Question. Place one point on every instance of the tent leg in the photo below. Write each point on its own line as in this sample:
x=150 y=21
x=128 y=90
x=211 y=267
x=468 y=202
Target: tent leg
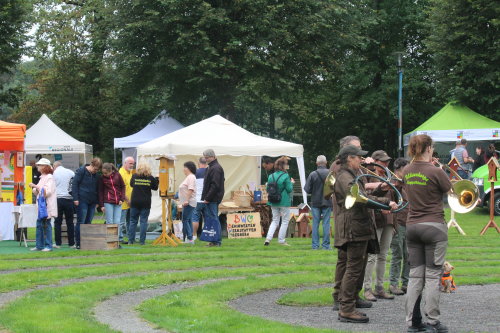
x=302 y=175
x=114 y=154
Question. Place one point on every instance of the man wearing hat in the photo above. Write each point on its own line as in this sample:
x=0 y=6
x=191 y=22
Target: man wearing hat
x=321 y=208
x=354 y=230
x=384 y=223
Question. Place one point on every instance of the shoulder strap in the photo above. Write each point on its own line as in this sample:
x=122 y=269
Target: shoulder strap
x=319 y=175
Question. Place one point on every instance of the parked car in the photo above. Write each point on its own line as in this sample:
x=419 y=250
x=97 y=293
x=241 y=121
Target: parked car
x=480 y=178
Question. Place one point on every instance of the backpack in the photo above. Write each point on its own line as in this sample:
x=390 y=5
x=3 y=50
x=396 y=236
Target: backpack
x=273 y=192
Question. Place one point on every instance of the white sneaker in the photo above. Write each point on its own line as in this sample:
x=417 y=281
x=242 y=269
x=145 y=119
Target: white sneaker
x=284 y=244
x=46 y=250
x=56 y=246
x=34 y=249
x=194 y=238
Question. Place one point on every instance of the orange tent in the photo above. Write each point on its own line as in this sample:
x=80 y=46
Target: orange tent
x=12 y=136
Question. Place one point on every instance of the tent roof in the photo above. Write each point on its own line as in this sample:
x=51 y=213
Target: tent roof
x=161 y=125
x=456 y=121
x=221 y=135
x=456 y=116
x=45 y=137
x=12 y=136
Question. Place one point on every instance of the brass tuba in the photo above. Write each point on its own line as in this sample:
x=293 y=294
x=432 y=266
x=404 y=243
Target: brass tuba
x=464 y=194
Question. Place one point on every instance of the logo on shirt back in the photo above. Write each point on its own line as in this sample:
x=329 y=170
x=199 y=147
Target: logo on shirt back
x=416 y=179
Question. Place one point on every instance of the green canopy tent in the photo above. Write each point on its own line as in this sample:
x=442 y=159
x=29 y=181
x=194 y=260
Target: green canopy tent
x=456 y=121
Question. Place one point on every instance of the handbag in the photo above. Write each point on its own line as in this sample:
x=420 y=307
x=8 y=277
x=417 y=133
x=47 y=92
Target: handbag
x=211 y=231
x=42 y=206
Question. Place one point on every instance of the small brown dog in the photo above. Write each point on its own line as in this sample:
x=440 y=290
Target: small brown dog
x=447 y=282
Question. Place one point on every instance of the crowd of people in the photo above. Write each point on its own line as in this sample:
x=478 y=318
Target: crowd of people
x=416 y=235
x=363 y=235
x=467 y=164
x=123 y=196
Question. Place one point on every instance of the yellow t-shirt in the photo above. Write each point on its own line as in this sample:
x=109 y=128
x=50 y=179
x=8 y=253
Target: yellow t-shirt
x=127 y=176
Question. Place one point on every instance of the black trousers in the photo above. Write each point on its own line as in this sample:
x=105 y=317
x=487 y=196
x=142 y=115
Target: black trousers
x=349 y=274
x=66 y=207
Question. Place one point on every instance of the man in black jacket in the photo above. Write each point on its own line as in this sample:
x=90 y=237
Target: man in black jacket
x=213 y=189
x=321 y=208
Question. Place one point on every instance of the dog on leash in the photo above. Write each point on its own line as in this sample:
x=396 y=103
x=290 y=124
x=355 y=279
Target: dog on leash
x=447 y=282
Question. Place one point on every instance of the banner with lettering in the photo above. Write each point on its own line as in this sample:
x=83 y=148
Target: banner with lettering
x=244 y=225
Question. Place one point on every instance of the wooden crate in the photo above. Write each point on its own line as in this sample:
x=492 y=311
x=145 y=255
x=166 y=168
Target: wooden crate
x=99 y=236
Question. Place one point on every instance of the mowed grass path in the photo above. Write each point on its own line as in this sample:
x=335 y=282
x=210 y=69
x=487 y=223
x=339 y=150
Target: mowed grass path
x=68 y=308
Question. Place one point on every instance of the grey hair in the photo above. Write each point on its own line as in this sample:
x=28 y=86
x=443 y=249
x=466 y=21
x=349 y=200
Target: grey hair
x=57 y=164
x=209 y=153
x=202 y=160
x=348 y=139
x=128 y=158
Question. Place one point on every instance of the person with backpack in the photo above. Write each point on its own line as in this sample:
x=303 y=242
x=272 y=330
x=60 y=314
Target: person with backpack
x=321 y=208
x=279 y=188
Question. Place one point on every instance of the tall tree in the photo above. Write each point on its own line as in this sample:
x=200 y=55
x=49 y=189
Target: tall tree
x=12 y=27
x=464 y=41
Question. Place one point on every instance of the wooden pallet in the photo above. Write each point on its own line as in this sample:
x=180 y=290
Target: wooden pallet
x=99 y=236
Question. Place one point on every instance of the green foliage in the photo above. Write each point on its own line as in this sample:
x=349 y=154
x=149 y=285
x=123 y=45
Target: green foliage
x=307 y=71
x=12 y=26
x=466 y=53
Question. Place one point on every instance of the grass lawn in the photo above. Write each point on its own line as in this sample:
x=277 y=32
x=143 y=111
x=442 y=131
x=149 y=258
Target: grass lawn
x=476 y=260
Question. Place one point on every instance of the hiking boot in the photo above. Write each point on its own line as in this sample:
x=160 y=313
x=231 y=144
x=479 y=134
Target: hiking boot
x=380 y=293
x=438 y=328
x=362 y=304
x=395 y=290
x=353 y=317
x=421 y=328
x=369 y=295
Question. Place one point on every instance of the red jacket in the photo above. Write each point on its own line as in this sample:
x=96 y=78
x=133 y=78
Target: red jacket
x=111 y=189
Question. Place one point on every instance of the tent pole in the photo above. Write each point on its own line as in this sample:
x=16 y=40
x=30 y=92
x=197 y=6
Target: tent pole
x=400 y=105
x=114 y=154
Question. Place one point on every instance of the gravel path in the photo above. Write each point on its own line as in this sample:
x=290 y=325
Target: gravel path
x=471 y=309
x=128 y=321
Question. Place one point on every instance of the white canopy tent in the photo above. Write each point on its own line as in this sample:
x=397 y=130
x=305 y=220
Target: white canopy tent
x=46 y=138
x=161 y=125
x=238 y=151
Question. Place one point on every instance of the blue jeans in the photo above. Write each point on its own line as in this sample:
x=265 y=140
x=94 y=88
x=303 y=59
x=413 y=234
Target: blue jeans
x=135 y=215
x=112 y=213
x=124 y=223
x=318 y=213
x=43 y=234
x=212 y=211
x=84 y=215
x=187 y=222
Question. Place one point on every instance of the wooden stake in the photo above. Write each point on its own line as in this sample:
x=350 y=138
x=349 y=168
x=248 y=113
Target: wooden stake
x=493 y=166
x=454 y=223
x=491 y=223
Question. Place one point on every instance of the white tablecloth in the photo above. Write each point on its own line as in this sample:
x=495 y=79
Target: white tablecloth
x=28 y=216
x=6 y=221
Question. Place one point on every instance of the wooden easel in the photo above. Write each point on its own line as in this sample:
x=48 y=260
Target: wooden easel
x=166 y=188
x=493 y=166
x=167 y=238
x=454 y=165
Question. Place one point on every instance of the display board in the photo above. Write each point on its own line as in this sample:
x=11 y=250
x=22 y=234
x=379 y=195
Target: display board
x=244 y=225
x=7 y=160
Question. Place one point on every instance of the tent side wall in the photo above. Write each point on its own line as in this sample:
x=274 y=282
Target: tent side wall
x=238 y=171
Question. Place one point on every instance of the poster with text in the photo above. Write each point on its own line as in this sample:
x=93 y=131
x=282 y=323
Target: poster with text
x=244 y=225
